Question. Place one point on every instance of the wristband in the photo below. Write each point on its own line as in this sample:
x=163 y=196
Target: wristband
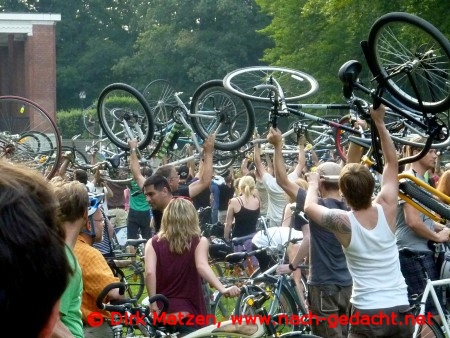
x=291 y=267
x=133 y=149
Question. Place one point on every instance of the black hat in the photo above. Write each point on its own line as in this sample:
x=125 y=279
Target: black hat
x=183 y=171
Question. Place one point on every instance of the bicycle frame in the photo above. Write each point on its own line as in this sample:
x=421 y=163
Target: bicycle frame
x=428 y=188
x=429 y=289
x=179 y=114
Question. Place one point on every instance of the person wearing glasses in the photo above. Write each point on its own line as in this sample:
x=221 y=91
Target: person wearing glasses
x=96 y=272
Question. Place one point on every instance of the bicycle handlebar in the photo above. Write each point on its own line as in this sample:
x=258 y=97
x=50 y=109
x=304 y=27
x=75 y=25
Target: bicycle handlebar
x=105 y=291
x=122 y=304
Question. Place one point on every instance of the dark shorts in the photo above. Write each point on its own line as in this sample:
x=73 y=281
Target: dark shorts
x=326 y=300
x=138 y=221
x=383 y=325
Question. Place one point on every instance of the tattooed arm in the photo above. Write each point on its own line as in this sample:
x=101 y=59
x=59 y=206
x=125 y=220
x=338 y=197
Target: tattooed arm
x=335 y=220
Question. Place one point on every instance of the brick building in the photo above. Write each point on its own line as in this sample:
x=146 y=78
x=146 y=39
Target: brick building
x=28 y=57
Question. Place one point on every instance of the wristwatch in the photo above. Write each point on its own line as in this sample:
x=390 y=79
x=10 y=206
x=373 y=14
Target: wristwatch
x=291 y=267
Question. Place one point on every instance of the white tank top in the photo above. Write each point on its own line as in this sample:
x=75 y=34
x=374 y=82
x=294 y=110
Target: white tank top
x=372 y=259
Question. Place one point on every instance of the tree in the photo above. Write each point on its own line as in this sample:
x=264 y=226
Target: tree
x=318 y=36
x=189 y=42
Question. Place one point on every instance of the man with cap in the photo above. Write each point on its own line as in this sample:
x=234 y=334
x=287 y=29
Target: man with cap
x=185 y=175
x=329 y=281
x=367 y=236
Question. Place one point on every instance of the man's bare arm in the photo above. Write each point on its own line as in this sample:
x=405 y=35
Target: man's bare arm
x=134 y=163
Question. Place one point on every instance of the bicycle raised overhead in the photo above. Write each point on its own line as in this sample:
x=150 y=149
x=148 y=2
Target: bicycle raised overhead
x=409 y=59
x=124 y=113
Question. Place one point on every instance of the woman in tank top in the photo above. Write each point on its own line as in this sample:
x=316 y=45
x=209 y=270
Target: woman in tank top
x=243 y=212
x=176 y=260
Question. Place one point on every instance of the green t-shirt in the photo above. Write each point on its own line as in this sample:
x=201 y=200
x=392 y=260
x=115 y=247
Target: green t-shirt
x=138 y=202
x=70 y=307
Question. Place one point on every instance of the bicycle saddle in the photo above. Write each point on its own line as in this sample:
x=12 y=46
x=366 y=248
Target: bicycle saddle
x=136 y=242
x=348 y=74
x=115 y=159
x=236 y=257
x=241 y=240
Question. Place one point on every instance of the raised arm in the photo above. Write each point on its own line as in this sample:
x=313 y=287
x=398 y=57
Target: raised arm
x=257 y=160
x=134 y=163
x=387 y=196
x=274 y=137
x=335 y=220
x=206 y=169
x=301 y=161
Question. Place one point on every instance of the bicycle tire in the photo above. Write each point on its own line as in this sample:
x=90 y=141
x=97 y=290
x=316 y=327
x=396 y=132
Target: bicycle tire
x=230 y=116
x=432 y=330
x=90 y=121
x=80 y=158
x=341 y=138
x=397 y=39
x=285 y=303
x=160 y=97
x=21 y=118
x=124 y=114
x=134 y=280
x=425 y=198
x=223 y=307
x=243 y=81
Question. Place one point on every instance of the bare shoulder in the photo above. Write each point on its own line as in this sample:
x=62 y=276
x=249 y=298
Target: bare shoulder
x=336 y=220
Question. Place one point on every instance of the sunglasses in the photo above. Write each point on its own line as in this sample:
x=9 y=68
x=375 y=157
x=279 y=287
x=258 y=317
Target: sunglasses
x=182 y=198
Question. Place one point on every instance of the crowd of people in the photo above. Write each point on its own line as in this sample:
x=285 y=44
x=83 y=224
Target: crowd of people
x=361 y=247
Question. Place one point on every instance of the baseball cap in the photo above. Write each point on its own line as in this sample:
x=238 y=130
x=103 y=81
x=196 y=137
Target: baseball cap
x=183 y=171
x=329 y=169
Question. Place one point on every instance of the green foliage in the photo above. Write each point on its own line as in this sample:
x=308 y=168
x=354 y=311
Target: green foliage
x=318 y=36
x=70 y=123
x=190 y=42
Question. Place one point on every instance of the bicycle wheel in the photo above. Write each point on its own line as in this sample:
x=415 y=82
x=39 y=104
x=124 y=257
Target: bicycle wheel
x=124 y=114
x=403 y=47
x=424 y=198
x=341 y=138
x=216 y=110
x=28 y=135
x=430 y=330
x=296 y=85
x=91 y=122
x=160 y=97
x=133 y=277
x=79 y=159
x=223 y=307
x=280 y=302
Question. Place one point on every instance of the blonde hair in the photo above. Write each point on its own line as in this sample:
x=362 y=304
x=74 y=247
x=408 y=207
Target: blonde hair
x=179 y=225
x=73 y=200
x=247 y=185
x=444 y=183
